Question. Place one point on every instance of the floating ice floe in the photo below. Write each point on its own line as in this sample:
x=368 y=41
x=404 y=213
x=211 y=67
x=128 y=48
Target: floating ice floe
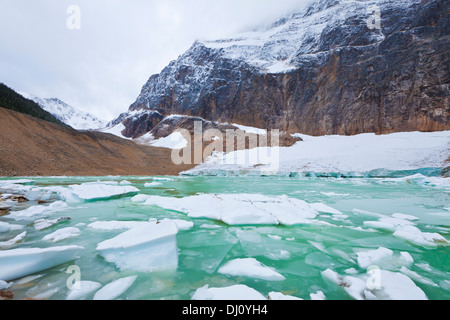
x=115 y=289
x=114 y=225
x=384 y=258
x=236 y=292
x=4 y=285
x=251 y=268
x=182 y=225
x=4 y=227
x=414 y=235
x=38 y=211
x=42 y=224
x=146 y=248
x=17 y=263
x=238 y=209
x=417 y=277
x=388 y=286
x=319 y=295
x=12 y=242
x=126 y=225
x=62 y=234
x=152 y=184
x=280 y=296
x=81 y=289
x=97 y=191
x=388 y=223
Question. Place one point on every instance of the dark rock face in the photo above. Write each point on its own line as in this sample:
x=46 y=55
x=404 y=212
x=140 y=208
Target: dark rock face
x=141 y=123
x=347 y=79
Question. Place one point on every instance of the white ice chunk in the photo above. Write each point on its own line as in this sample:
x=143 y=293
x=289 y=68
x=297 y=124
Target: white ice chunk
x=332 y=276
x=280 y=296
x=93 y=191
x=388 y=286
x=405 y=216
x=324 y=208
x=397 y=286
x=114 y=225
x=238 y=209
x=417 y=277
x=115 y=289
x=319 y=295
x=384 y=258
x=388 y=223
x=12 y=242
x=4 y=285
x=146 y=248
x=42 y=224
x=182 y=225
x=62 y=234
x=17 y=263
x=38 y=211
x=140 y=198
x=416 y=236
x=251 y=268
x=82 y=289
x=354 y=286
x=152 y=184
x=4 y=227
x=236 y=292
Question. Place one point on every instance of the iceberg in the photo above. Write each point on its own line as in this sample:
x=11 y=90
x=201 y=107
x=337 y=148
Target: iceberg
x=114 y=225
x=414 y=235
x=146 y=248
x=319 y=295
x=384 y=258
x=392 y=286
x=115 y=289
x=42 y=224
x=38 y=211
x=99 y=190
x=236 y=292
x=4 y=227
x=251 y=268
x=82 y=289
x=62 y=234
x=280 y=296
x=17 y=263
x=12 y=242
x=152 y=184
x=238 y=209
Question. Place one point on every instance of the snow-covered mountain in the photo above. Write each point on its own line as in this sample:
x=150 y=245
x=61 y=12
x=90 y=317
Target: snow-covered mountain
x=71 y=116
x=335 y=67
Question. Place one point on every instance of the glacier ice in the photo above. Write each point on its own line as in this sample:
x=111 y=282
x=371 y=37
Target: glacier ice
x=236 y=292
x=17 y=263
x=62 y=234
x=280 y=296
x=115 y=289
x=146 y=248
x=12 y=242
x=384 y=258
x=252 y=268
x=81 y=289
x=238 y=209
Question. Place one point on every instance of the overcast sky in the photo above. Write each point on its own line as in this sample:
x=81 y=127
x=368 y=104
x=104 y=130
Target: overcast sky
x=101 y=67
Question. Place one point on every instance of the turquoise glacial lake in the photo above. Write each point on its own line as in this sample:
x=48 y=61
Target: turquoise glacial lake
x=300 y=253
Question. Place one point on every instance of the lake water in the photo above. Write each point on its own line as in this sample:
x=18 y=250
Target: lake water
x=298 y=252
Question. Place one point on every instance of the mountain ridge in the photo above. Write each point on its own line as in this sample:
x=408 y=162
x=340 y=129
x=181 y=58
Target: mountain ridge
x=323 y=71
x=67 y=114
